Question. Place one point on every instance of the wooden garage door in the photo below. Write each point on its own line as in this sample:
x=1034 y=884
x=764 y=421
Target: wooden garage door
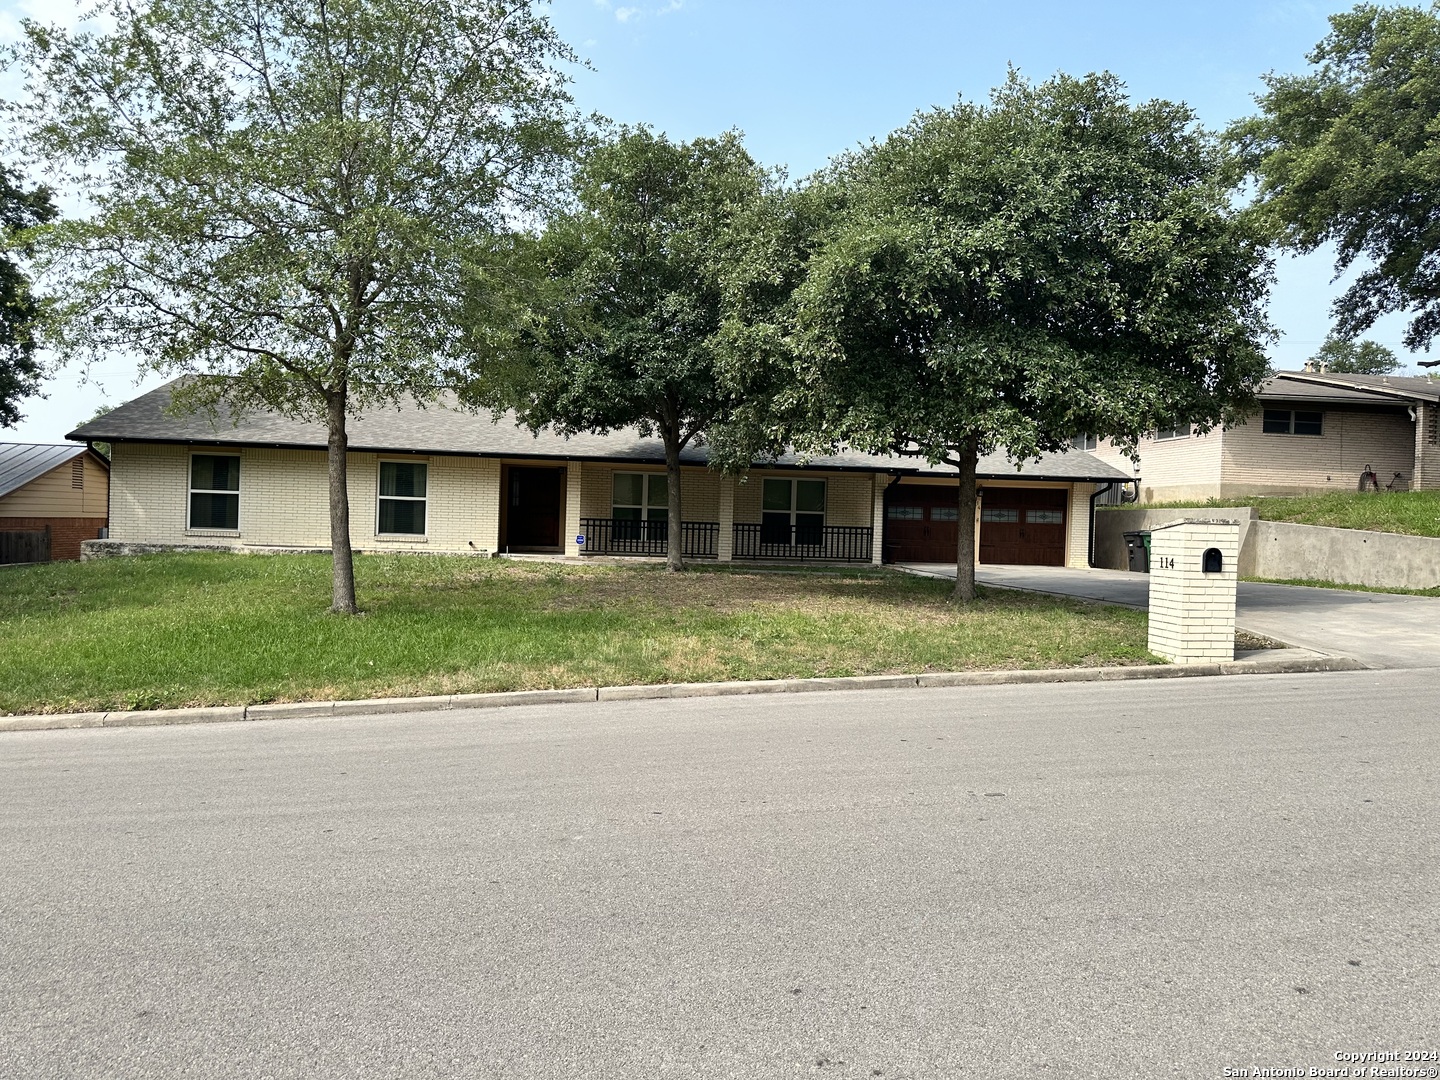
x=921 y=523
x=1023 y=526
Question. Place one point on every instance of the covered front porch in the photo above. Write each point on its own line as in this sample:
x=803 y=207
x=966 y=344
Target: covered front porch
x=774 y=515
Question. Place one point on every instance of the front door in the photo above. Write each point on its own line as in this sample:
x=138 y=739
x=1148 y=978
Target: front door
x=922 y=523
x=534 y=508
x=1023 y=526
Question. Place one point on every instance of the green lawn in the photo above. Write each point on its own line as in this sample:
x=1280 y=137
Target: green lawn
x=1416 y=513
x=162 y=631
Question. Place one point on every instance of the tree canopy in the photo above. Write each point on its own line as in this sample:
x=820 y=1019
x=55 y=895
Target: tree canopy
x=644 y=324
x=20 y=367
x=1006 y=275
x=1349 y=153
x=298 y=203
x=1355 y=358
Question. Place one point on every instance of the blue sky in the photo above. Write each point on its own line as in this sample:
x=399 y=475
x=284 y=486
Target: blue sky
x=806 y=80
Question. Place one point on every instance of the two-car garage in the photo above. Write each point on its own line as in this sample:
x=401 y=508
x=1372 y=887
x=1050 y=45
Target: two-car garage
x=1024 y=526
x=1035 y=513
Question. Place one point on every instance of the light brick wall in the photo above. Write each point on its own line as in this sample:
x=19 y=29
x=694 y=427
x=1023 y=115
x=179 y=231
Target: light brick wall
x=1192 y=614
x=699 y=490
x=284 y=499
x=1254 y=463
x=1077 y=526
x=849 y=497
x=1172 y=469
x=148 y=491
x=1427 y=448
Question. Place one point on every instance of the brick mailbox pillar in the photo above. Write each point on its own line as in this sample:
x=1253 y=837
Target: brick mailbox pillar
x=1192 y=591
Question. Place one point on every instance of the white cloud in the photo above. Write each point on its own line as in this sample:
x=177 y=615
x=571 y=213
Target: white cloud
x=673 y=5
x=625 y=14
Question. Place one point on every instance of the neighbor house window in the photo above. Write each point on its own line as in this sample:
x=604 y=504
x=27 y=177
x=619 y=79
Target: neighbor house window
x=792 y=512
x=215 y=492
x=1084 y=442
x=1180 y=431
x=402 y=498
x=1289 y=422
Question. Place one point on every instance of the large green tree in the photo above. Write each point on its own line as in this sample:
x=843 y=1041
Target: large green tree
x=1004 y=275
x=1348 y=153
x=1355 y=357
x=297 y=201
x=649 y=275
x=20 y=367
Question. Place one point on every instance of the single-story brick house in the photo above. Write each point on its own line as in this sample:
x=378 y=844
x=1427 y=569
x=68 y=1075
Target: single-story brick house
x=51 y=499
x=1314 y=432
x=440 y=479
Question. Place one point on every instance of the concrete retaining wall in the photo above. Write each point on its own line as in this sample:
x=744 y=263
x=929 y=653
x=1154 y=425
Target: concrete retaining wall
x=1278 y=549
x=1352 y=556
x=1112 y=525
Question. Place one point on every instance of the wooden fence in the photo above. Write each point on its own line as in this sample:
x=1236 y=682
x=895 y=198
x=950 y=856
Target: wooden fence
x=25 y=546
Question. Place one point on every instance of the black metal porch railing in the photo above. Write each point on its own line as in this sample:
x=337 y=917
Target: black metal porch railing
x=624 y=536
x=831 y=543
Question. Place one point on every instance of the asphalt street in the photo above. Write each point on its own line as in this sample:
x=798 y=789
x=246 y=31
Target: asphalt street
x=1133 y=879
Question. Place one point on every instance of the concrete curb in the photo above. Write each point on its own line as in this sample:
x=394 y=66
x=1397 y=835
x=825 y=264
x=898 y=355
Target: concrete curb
x=1277 y=665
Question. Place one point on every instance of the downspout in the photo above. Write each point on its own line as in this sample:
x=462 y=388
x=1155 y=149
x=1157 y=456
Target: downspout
x=1109 y=486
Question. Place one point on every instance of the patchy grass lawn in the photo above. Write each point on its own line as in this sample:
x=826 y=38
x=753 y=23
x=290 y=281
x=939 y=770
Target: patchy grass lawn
x=173 y=630
x=1415 y=513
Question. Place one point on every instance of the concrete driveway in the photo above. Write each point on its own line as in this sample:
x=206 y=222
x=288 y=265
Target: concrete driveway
x=1383 y=630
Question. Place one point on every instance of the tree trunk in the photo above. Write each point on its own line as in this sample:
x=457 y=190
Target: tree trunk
x=674 y=557
x=965 y=548
x=342 y=591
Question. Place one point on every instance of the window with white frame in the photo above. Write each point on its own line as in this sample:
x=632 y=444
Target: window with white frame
x=215 y=492
x=402 y=498
x=639 y=497
x=1179 y=431
x=1084 y=442
x=792 y=511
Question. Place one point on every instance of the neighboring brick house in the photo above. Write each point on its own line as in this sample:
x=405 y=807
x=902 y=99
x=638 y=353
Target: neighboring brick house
x=60 y=490
x=1314 y=432
x=441 y=479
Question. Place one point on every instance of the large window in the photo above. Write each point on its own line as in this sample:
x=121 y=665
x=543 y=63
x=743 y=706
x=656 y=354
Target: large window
x=1179 y=431
x=215 y=492
x=402 y=498
x=639 y=497
x=1084 y=442
x=792 y=512
x=1289 y=422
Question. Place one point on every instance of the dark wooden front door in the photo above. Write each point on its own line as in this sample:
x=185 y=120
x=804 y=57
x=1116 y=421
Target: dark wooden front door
x=922 y=523
x=534 y=508
x=1023 y=525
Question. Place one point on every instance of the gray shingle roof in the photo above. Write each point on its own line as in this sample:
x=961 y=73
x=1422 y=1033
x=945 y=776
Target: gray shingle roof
x=22 y=462
x=444 y=429
x=1305 y=386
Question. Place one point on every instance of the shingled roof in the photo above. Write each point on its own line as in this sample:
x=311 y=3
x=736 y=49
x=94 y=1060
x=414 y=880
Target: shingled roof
x=22 y=462
x=443 y=428
x=1345 y=389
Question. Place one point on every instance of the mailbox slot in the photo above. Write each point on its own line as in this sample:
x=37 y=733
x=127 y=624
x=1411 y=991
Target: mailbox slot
x=1210 y=562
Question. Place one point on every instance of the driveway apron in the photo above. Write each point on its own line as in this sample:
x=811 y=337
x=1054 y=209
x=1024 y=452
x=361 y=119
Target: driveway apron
x=1383 y=630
